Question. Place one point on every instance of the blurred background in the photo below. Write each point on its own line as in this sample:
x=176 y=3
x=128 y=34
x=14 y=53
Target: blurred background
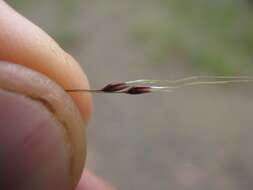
x=193 y=139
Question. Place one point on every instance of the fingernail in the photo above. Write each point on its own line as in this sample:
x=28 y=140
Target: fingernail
x=33 y=153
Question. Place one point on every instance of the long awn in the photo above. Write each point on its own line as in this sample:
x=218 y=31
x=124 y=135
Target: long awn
x=143 y=86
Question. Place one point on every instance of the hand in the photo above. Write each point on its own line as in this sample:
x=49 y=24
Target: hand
x=42 y=142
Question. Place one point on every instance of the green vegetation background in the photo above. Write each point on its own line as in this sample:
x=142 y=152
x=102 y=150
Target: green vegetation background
x=214 y=35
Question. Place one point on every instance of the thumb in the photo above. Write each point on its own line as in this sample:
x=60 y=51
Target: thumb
x=55 y=157
x=41 y=132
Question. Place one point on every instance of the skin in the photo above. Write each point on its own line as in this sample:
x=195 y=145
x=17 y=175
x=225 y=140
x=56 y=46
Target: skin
x=24 y=43
x=42 y=139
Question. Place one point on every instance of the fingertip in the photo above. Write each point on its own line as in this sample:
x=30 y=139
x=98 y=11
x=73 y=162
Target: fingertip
x=33 y=152
x=24 y=43
x=90 y=181
x=52 y=123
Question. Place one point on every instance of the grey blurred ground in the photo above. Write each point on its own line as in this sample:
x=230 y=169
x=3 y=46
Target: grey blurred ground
x=192 y=139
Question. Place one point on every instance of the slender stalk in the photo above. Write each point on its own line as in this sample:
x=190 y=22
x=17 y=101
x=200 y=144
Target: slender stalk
x=146 y=86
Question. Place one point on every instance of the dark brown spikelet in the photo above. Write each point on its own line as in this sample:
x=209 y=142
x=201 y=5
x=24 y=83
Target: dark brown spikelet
x=114 y=87
x=136 y=90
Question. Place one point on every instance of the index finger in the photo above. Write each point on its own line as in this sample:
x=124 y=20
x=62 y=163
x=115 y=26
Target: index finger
x=24 y=43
